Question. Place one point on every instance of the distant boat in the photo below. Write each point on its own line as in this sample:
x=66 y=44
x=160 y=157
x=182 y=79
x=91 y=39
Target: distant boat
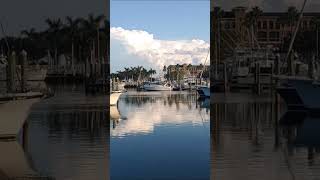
x=114 y=97
x=157 y=86
x=204 y=91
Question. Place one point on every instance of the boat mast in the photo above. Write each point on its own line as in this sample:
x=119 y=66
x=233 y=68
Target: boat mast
x=296 y=30
x=204 y=66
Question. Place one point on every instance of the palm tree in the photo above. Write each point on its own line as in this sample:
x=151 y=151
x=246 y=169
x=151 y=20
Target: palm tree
x=292 y=17
x=55 y=26
x=92 y=25
x=29 y=38
x=152 y=72
x=251 y=21
x=72 y=28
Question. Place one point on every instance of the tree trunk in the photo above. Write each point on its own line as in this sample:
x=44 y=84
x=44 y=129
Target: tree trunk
x=98 y=44
x=56 y=55
x=72 y=58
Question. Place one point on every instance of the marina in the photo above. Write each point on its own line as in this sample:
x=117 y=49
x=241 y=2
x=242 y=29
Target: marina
x=159 y=127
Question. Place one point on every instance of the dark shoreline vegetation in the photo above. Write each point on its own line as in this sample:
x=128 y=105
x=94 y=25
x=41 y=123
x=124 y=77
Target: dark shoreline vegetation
x=134 y=73
x=172 y=72
x=80 y=38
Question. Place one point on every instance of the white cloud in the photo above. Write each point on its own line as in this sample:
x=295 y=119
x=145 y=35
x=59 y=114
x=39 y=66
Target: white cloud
x=161 y=52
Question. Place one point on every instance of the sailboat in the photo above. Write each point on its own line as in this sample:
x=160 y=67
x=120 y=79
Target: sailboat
x=204 y=90
x=301 y=92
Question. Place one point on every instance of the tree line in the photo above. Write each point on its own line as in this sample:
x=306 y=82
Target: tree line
x=77 y=38
x=134 y=73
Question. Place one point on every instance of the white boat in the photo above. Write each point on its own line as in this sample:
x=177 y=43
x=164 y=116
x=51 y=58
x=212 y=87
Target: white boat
x=114 y=97
x=15 y=112
x=204 y=91
x=157 y=86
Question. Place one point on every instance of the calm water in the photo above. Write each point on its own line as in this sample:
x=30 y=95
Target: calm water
x=69 y=135
x=160 y=135
x=259 y=140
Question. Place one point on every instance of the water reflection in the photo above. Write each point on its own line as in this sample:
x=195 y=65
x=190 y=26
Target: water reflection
x=69 y=135
x=145 y=112
x=262 y=141
x=165 y=135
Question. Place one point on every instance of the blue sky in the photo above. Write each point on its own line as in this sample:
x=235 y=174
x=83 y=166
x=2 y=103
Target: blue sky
x=174 y=21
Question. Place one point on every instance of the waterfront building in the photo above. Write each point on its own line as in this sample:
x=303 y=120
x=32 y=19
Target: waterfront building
x=187 y=70
x=270 y=28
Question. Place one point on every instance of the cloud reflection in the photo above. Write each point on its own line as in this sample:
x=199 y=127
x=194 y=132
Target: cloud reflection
x=145 y=113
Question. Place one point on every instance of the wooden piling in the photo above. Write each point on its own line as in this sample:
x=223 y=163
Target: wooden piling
x=23 y=70
x=11 y=72
x=311 y=68
x=258 y=79
x=225 y=76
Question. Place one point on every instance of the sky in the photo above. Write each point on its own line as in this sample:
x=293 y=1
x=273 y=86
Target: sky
x=18 y=15
x=154 y=33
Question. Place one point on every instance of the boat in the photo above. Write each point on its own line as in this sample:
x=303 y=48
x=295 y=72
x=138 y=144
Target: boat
x=290 y=95
x=16 y=163
x=157 y=86
x=114 y=97
x=309 y=92
x=204 y=91
x=14 y=110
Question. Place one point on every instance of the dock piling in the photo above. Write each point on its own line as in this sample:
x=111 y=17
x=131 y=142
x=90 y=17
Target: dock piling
x=23 y=70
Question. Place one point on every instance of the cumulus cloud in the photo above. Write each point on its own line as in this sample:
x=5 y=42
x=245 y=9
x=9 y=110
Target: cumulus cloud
x=161 y=52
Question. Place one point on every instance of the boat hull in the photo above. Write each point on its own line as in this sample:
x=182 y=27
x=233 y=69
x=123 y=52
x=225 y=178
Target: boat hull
x=204 y=91
x=114 y=97
x=308 y=92
x=290 y=97
x=156 y=88
x=13 y=115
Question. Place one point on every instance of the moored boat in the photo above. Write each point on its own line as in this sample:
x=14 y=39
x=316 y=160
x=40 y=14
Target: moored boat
x=203 y=91
x=309 y=92
x=14 y=109
x=114 y=97
x=157 y=86
x=290 y=96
